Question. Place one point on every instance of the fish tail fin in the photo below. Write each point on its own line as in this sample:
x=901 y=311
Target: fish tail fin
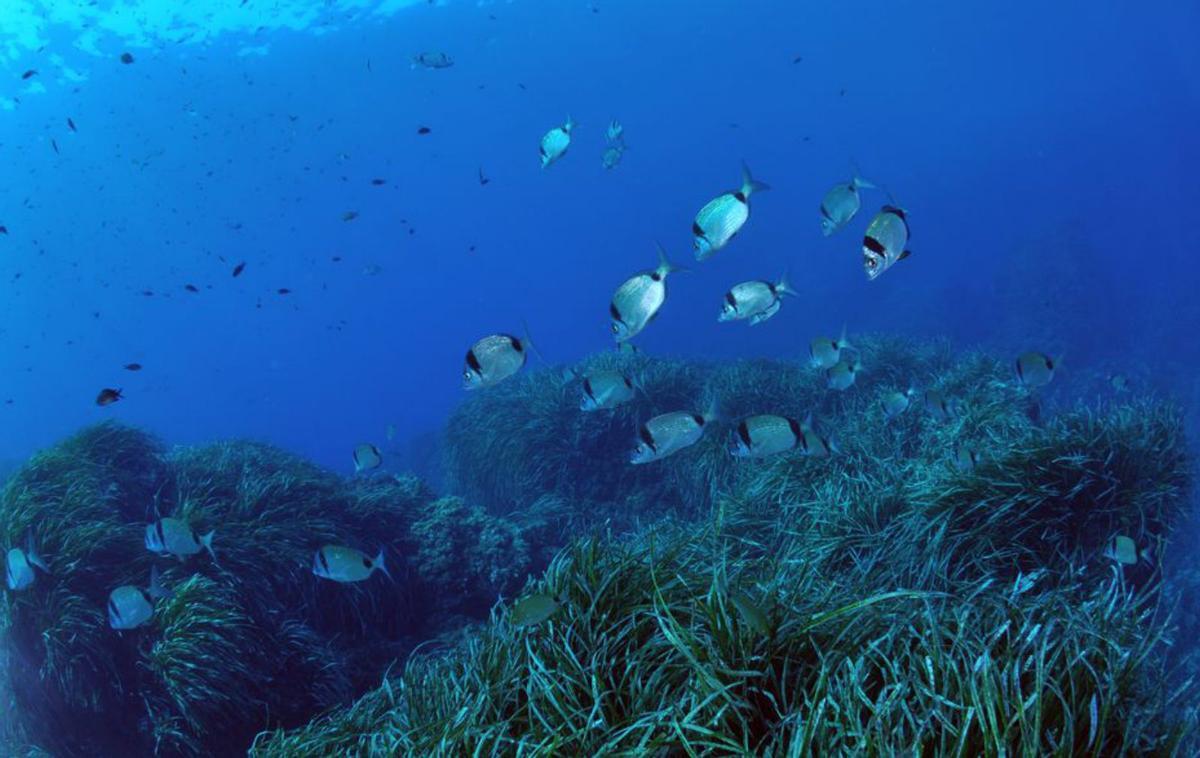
x=784 y=287
x=664 y=263
x=904 y=255
x=529 y=343
x=156 y=590
x=569 y=124
x=832 y=443
x=713 y=412
x=750 y=185
x=31 y=554
x=378 y=563
x=206 y=543
x=861 y=183
x=844 y=343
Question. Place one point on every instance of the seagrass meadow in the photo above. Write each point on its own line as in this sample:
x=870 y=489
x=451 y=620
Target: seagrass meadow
x=881 y=601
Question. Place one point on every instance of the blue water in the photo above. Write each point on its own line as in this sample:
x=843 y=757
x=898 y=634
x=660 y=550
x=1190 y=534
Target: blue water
x=1046 y=154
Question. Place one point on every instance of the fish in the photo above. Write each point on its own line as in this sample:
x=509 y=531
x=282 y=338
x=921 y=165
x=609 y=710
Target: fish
x=841 y=203
x=755 y=300
x=127 y=58
x=191 y=288
x=825 y=353
x=896 y=402
x=555 y=142
x=132 y=367
x=604 y=390
x=19 y=568
x=1035 y=369
x=841 y=376
x=667 y=434
x=816 y=445
x=345 y=564
x=349 y=215
x=378 y=182
x=238 y=269
x=1124 y=550
x=939 y=407
x=108 y=396
x=29 y=74
x=765 y=435
x=534 y=609
x=885 y=240
x=71 y=124
x=4 y=230
x=639 y=298
x=366 y=457
x=432 y=60
x=54 y=144
x=130 y=607
x=423 y=130
x=615 y=131
x=966 y=457
x=752 y=615
x=173 y=536
x=612 y=156
x=1119 y=382
x=483 y=180
x=724 y=216
x=493 y=359
x=284 y=291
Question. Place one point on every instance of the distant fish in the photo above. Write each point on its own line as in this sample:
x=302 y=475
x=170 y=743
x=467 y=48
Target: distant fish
x=345 y=564
x=108 y=397
x=423 y=130
x=71 y=124
x=127 y=58
x=766 y=435
x=173 y=536
x=604 y=390
x=885 y=241
x=18 y=570
x=723 y=216
x=555 y=142
x=29 y=74
x=896 y=402
x=966 y=457
x=939 y=406
x=130 y=607
x=754 y=300
x=615 y=131
x=54 y=144
x=817 y=445
x=841 y=203
x=1124 y=550
x=132 y=367
x=841 y=377
x=432 y=60
x=493 y=359
x=390 y=433
x=349 y=215
x=238 y=269
x=378 y=182
x=667 y=434
x=612 y=156
x=191 y=288
x=534 y=609
x=284 y=291
x=1119 y=382
x=639 y=298
x=366 y=458
x=483 y=180
x=1035 y=369
x=4 y=230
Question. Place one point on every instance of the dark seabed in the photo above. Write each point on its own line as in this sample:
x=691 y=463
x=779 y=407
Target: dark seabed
x=350 y=409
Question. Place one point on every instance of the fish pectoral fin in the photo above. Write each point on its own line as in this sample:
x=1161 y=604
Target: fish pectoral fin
x=904 y=255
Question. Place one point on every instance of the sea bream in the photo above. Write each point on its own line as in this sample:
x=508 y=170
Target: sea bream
x=755 y=300
x=669 y=433
x=885 y=240
x=1035 y=369
x=172 y=536
x=637 y=301
x=603 y=390
x=19 y=566
x=841 y=203
x=493 y=359
x=555 y=142
x=432 y=60
x=825 y=353
x=130 y=607
x=723 y=216
x=345 y=564
x=367 y=457
x=766 y=435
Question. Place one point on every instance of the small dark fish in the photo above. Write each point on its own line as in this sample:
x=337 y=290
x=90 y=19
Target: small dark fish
x=423 y=130
x=127 y=58
x=379 y=182
x=797 y=59
x=238 y=269
x=284 y=291
x=133 y=367
x=108 y=397
x=54 y=144
x=349 y=215
x=190 y=288
x=148 y=293
x=4 y=230
x=483 y=180
x=29 y=74
x=71 y=124
x=336 y=259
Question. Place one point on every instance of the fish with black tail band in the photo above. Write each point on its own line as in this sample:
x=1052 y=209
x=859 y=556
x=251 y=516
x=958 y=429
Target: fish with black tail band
x=885 y=241
x=724 y=216
x=367 y=457
x=345 y=564
x=19 y=566
x=639 y=298
x=966 y=457
x=604 y=390
x=765 y=435
x=825 y=353
x=555 y=142
x=939 y=406
x=841 y=203
x=896 y=402
x=1035 y=369
x=667 y=434
x=130 y=607
x=754 y=300
x=493 y=359
x=815 y=444
x=842 y=376
x=172 y=536
x=536 y=608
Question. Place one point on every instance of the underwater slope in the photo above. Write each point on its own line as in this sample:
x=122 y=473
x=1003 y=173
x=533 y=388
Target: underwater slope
x=883 y=600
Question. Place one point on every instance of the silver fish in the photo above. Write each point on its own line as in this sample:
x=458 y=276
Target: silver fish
x=841 y=376
x=723 y=216
x=966 y=457
x=615 y=131
x=895 y=403
x=754 y=300
x=841 y=203
x=432 y=60
x=603 y=390
x=939 y=406
x=555 y=142
x=667 y=434
x=493 y=359
x=345 y=564
x=367 y=457
x=130 y=607
x=172 y=536
x=816 y=445
x=765 y=435
x=825 y=353
x=18 y=569
x=885 y=241
x=638 y=299
x=1035 y=369
x=612 y=156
